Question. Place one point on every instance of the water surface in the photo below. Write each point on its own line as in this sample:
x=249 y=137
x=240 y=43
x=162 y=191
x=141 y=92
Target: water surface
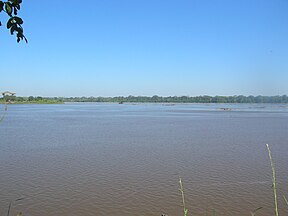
x=110 y=159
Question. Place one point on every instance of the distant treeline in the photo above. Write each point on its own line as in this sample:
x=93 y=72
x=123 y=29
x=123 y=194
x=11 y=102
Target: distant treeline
x=154 y=99
x=30 y=99
x=183 y=99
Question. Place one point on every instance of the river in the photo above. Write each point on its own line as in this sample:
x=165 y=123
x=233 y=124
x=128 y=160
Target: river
x=101 y=159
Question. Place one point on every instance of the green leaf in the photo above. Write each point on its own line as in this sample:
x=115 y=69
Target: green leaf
x=10 y=22
x=18 y=20
x=13 y=29
x=20 y=30
x=16 y=1
x=1 y=5
x=13 y=2
x=15 y=11
x=8 y=8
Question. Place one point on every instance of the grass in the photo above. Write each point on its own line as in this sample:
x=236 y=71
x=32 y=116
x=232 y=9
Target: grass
x=254 y=211
x=285 y=200
x=273 y=181
x=183 y=197
x=9 y=207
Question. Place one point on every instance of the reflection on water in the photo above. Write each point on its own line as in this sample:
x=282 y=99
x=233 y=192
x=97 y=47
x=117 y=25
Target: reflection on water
x=111 y=159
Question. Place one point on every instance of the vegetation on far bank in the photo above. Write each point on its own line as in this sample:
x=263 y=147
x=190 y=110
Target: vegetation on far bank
x=146 y=99
x=183 y=99
x=29 y=100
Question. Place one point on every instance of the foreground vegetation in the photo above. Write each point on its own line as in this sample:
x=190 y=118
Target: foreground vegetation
x=253 y=213
x=153 y=99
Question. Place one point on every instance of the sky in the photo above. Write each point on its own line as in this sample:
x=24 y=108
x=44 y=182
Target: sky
x=147 y=47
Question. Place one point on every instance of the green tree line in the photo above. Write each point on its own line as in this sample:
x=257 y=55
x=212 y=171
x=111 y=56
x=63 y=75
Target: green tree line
x=183 y=99
x=30 y=99
x=153 y=99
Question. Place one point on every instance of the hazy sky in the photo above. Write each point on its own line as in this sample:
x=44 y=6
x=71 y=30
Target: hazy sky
x=148 y=47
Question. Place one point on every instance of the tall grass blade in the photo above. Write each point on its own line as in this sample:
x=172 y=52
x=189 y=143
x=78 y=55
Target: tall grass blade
x=273 y=181
x=254 y=212
x=285 y=200
x=8 y=212
x=183 y=198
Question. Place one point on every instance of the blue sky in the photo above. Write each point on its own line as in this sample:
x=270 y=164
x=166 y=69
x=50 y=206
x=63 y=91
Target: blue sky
x=148 y=47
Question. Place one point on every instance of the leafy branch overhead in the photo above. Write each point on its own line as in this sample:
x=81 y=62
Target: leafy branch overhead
x=14 y=24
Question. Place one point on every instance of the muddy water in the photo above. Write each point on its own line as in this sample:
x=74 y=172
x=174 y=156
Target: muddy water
x=111 y=159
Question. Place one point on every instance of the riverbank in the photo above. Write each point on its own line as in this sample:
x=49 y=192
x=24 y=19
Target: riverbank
x=154 y=99
x=33 y=102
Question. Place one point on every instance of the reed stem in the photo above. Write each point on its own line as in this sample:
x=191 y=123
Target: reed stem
x=273 y=181
x=285 y=200
x=183 y=198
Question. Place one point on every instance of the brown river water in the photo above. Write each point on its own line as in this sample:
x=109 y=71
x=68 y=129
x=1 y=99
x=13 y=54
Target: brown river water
x=83 y=159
